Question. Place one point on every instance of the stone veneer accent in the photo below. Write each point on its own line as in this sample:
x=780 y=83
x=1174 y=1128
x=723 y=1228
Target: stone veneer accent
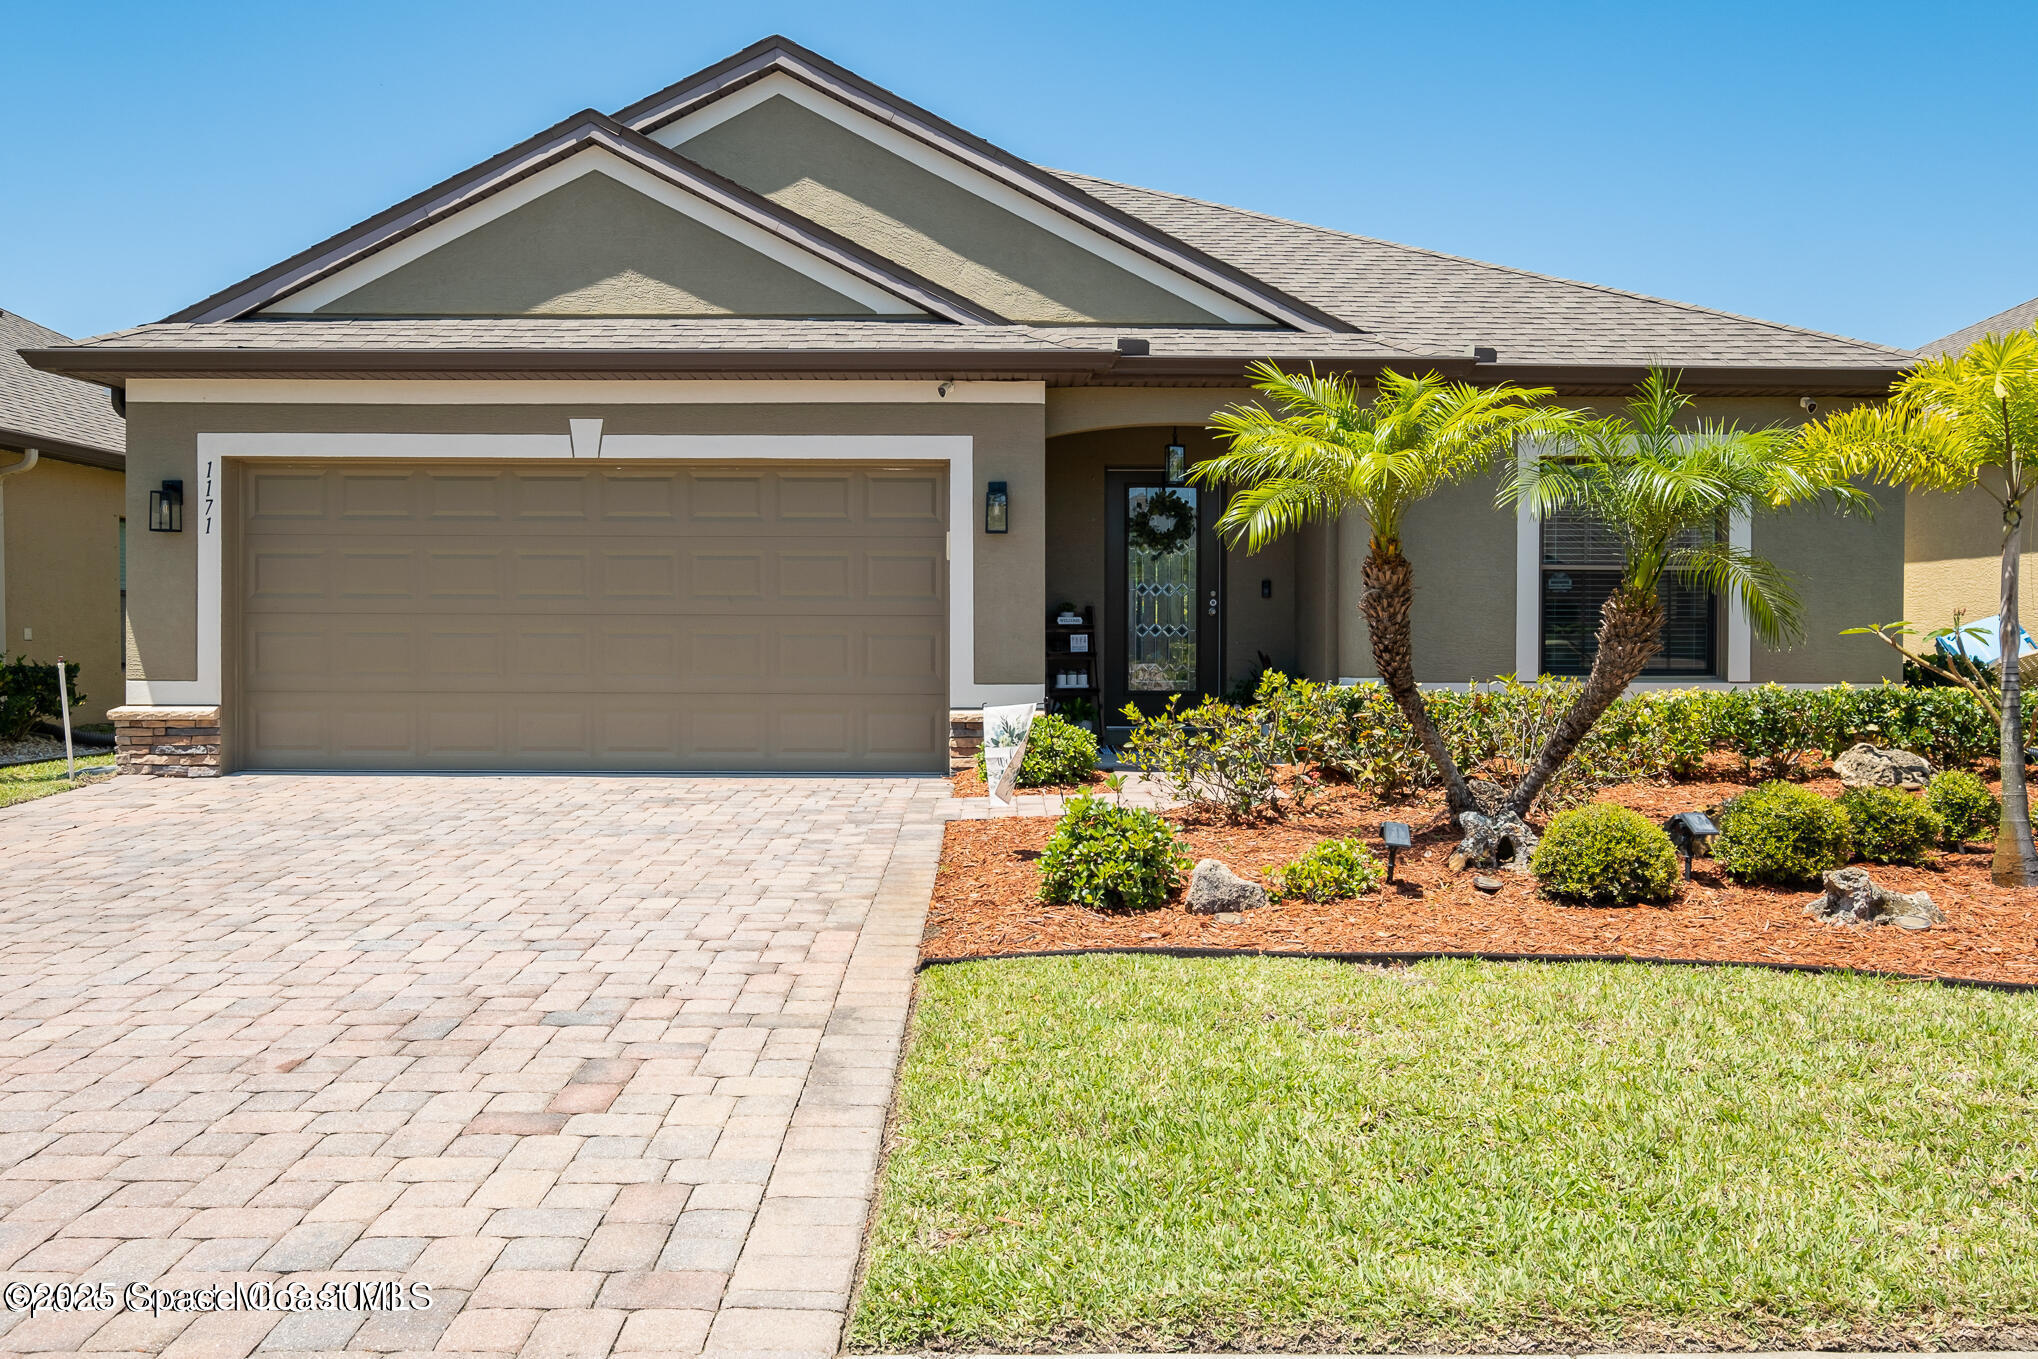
x=180 y=743
x=965 y=737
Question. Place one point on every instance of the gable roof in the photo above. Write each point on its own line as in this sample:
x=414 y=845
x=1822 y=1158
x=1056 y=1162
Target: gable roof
x=58 y=416
x=778 y=55
x=584 y=131
x=2020 y=317
x=1436 y=303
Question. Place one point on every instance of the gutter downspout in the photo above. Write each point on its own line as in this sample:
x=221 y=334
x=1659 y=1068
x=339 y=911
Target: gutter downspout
x=29 y=458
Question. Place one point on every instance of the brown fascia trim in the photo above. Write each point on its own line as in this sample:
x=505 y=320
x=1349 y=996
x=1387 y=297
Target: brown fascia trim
x=63 y=450
x=1710 y=380
x=584 y=131
x=113 y=367
x=786 y=57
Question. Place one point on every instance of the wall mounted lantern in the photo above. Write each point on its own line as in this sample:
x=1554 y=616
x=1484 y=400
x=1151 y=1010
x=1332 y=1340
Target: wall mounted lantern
x=997 y=509
x=1691 y=834
x=1397 y=838
x=166 y=508
x=1178 y=460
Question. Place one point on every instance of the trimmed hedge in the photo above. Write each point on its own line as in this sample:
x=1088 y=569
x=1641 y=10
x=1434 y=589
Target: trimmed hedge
x=1967 y=810
x=1890 y=826
x=1605 y=855
x=28 y=694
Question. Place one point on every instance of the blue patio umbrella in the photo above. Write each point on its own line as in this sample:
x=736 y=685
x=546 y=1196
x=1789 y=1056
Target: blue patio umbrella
x=1984 y=647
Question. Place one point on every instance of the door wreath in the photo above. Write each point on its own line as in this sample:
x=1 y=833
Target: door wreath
x=1163 y=525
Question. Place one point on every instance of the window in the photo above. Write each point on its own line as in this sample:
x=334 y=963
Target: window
x=1581 y=564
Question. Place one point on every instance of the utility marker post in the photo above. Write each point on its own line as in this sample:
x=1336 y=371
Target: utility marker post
x=64 y=702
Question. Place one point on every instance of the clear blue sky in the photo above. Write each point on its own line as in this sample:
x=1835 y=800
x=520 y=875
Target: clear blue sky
x=1868 y=167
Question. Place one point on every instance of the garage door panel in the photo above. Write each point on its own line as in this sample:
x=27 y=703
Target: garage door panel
x=674 y=618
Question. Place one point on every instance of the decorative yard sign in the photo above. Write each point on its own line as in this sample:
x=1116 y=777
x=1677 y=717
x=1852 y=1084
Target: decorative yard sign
x=1005 y=732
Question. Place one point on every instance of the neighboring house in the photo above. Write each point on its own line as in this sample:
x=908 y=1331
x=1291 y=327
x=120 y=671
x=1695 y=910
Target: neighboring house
x=1953 y=543
x=668 y=440
x=62 y=448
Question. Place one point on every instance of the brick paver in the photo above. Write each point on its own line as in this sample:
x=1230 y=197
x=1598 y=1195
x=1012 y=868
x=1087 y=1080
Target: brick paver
x=605 y=1061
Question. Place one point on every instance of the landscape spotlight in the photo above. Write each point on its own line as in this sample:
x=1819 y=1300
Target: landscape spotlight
x=1691 y=833
x=1396 y=836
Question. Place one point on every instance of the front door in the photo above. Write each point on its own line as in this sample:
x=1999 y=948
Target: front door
x=1163 y=580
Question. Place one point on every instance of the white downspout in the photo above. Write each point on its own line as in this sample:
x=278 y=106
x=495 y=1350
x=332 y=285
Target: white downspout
x=29 y=458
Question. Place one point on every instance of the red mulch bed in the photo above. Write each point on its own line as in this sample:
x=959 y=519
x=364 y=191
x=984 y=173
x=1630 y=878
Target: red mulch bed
x=968 y=783
x=986 y=900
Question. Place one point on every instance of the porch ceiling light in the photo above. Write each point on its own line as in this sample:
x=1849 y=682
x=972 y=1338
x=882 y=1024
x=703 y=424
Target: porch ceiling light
x=1177 y=463
x=997 y=509
x=1397 y=838
x=166 y=508
x=1691 y=835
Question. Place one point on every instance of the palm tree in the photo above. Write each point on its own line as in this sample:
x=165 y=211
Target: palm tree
x=1955 y=423
x=1665 y=494
x=1319 y=448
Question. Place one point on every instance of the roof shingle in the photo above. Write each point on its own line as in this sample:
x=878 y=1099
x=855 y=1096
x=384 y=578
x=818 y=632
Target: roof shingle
x=42 y=406
x=2020 y=317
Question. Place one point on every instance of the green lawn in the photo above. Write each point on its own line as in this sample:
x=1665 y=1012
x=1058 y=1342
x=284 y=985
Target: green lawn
x=25 y=782
x=1146 y=1153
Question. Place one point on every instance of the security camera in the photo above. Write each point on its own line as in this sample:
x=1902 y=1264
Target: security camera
x=1811 y=407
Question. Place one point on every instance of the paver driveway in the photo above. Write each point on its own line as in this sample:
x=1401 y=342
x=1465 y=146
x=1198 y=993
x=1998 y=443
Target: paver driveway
x=604 y=1061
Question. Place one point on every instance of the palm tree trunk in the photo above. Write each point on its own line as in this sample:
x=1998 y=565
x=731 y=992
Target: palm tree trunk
x=2016 y=861
x=1388 y=597
x=1630 y=631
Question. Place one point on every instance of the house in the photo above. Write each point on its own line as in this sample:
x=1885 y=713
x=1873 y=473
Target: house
x=762 y=424
x=62 y=531
x=1953 y=543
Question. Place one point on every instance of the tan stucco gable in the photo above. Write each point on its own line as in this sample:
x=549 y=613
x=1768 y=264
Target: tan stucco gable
x=594 y=247
x=937 y=228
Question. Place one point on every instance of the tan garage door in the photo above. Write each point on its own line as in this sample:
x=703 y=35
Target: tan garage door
x=644 y=617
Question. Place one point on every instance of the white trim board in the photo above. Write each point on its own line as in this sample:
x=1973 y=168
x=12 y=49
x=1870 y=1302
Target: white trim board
x=594 y=160
x=916 y=152
x=578 y=391
x=205 y=513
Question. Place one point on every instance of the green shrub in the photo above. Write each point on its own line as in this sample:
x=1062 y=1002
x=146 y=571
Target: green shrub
x=1332 y=871
x=1967 y=810
x=1772 y=728
x=1777 y=833
x=1215 y=755
x=1106 y=856
x=1605 y=855
x=1945 y=725
x=1890 y=826
x=1057 y=752
x=28 y=695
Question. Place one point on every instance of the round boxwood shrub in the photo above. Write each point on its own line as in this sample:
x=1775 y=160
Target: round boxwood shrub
x=1057 y=752
x=1967 y=810
x=1332 y=871
x=1890 y=826
x=1781 y=834
x=1104 y=855
x=1603 y=855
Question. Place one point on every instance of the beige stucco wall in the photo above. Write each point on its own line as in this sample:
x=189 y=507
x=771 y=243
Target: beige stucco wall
x=1073 y=410
x=1463 y=550
x=62 y=533
x=1007 y=446
x=1077 y=542
x=593 y=247
x=1953 y=551
x=944 y=232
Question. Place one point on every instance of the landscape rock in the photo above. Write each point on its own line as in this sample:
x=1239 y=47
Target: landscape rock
x=1867 y=766
x=1490 y=796
x=1487 y=885
x=1216 y=890
x=1852 y=897
x=1503 y=840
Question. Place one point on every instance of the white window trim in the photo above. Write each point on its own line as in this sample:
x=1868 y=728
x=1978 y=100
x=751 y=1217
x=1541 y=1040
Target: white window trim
x=1528 y=603
x=336 y=286
x=916 y=152
x=206 y=512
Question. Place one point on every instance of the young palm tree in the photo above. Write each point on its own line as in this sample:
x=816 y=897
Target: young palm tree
x=1952 y=424
x=1665 y=493
x=1320 y=448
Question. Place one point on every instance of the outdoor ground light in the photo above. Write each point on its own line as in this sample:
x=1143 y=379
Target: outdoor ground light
x=997 y=509
x=1397 y=838
x=166 y=508
x=1691 y=834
